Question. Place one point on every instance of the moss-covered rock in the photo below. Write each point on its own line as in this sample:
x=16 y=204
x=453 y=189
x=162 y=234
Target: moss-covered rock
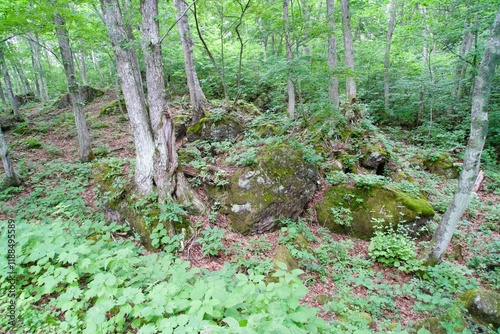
x=374 y=157
x=279 y=185
x=283 y=255
x=140 y=213
x=113 y=108
x=381 y=205
x=227 y=127
x=435 y=325
x=262 y=101
x=484 y=306
x=180 y=125
x=87 y=94
x=441 y=164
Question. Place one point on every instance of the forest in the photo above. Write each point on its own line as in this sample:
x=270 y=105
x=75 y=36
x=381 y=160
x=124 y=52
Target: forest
x=250 y=166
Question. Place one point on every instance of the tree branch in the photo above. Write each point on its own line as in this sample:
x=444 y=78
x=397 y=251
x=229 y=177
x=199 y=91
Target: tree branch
x=176 y=21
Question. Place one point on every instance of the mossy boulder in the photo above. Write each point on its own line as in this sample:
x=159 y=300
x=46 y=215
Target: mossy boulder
x=278 y=186
x=374 y=157
x=283 y=255
x=434 y=325
x=87 y=94
x=113 y=108
x=128 y=206
x=180 y=125
x=262 y=101
x=441 y=164
x=484 y=306
x=227 y=127
x=379 y=205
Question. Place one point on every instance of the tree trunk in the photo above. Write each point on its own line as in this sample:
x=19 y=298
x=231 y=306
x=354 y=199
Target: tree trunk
x=8 y=87
x=83 y=69
x=348 y=51
x=4 y=101
x=243 y=8
x=472 y=158
x=212 y=59
x=127 y=65
x=76 y=101
x=165 y=157
x=197 y=98
x=18 y=67
x=425 y=55
x=333 y=87
x=12 y=179
x=97 y=66
x=289 y=58
x=390 y=31
x=37 y=65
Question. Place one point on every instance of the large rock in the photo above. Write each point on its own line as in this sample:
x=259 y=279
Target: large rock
x=87 y=95
x=359 y=210
x=278 y=186
x=484 y=306
x=374 y=157
x=441 y=164
x=227 y=127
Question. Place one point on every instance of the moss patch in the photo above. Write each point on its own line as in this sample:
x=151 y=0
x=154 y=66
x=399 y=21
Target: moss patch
x=380 y=205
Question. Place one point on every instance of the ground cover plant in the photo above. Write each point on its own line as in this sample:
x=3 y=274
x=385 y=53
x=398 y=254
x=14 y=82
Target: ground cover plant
x=80 y=271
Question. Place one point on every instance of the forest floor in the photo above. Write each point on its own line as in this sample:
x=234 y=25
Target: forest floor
x=111 y=136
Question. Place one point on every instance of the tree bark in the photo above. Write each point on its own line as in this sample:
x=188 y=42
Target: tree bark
x=333 y=87
x=83 y=69
x=197 y=98
x=8 y=87
x=85 y=150
x=472 y=158
x=127 y=65
x=348 y=51
x=289 y=58
x=244 y=8
x=12 y=179
x=165 y=156
x=390 y=31
x=4 y=101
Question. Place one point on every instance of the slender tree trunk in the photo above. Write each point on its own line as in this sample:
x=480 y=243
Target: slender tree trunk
x=127 y=65
x=212 y=59
x=12 y=179
x=425 y=55
x=390 y=31
x=348 y=51
x=333 y=87
x=76 y=102
x=4 y=101
x=462 y=63
x=472 y=158
x=244 y=8
x=42 y=82
x=8 y=87
x=289 y=58
x=97 y=66
x=197 y=98
x=83 y=69
x=22 y=77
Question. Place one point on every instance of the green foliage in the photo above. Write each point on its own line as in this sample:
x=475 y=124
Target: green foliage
x=211 y=240
x=161 y=239
x=172 y=212
x=394 y=250
x=342 y=216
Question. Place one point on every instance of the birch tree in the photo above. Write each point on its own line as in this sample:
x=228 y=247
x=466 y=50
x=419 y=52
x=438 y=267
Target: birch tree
x=472 y=157
x=12 y=179
x=333 y=87
x=348 y=50
x=197 y=98
x=85 y=151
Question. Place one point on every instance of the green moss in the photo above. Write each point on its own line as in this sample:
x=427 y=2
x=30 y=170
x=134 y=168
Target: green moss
x=32 y=144
x=196 y=128
x=381 y=205
x=113 y=108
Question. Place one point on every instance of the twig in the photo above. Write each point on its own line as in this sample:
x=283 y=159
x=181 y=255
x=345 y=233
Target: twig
x=173 y=25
